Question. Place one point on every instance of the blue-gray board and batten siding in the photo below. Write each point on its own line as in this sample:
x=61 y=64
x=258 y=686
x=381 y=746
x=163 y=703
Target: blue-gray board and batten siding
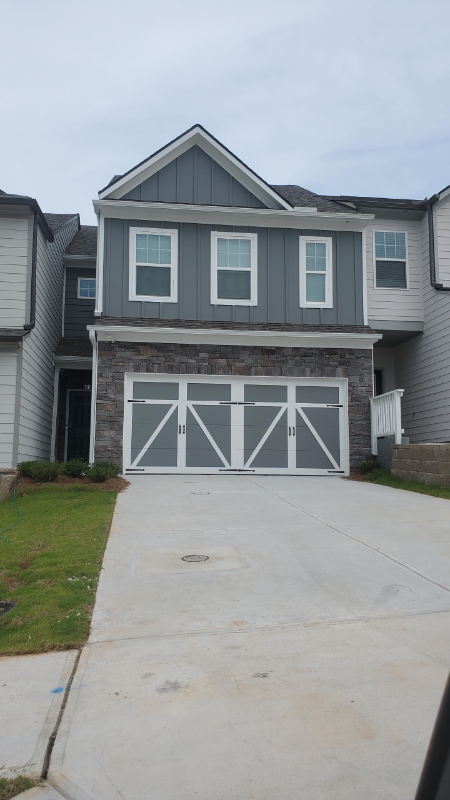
x=278 y=277
x=194 y=177
x=77 y=312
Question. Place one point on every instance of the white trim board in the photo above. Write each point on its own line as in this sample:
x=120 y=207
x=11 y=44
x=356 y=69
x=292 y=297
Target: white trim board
x=256 y=338
x=213 y=148
x=231 y=215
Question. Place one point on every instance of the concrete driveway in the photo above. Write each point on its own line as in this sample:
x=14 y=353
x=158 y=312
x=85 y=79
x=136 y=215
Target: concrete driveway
x=305 y=658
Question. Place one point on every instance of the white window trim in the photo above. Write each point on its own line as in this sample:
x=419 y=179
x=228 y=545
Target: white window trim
x=147 y=298
x=328 y=274
x=253 y=237
x=81 y=297
x=375 y=259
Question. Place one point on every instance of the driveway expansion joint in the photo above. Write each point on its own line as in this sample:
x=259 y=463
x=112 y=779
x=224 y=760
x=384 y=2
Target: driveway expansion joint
x=378 y=550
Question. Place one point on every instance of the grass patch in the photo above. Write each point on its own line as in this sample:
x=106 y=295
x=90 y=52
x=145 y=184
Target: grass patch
x=384 y=477
x=10 y=787
x=51 y=565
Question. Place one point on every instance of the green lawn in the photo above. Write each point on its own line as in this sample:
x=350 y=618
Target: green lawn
x=11 y=787
x=51 y=565
x=384 y=477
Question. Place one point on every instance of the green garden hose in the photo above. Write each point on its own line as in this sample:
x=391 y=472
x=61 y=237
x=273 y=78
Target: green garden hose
x=13 y=498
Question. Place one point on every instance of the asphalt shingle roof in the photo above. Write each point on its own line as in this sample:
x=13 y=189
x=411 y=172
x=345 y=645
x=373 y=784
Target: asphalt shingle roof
x=56 y=221
x=299 y=196
x=84 y=243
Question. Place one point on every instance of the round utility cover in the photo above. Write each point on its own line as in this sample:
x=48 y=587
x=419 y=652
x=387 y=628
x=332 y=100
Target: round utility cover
x=195 y=558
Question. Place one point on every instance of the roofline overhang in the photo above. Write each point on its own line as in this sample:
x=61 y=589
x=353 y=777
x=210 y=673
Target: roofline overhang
x=73 y=257
x=224 y=157
x=33 y=205
x=255 y=338
x=220 y=215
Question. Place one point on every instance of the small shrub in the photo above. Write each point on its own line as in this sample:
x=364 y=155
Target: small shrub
x=74 y=468
x=102 y=470
x=42 y=471
x=25 y=469
x=369 y=466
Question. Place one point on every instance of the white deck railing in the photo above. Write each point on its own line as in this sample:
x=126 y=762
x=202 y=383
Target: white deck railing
x=386 y=417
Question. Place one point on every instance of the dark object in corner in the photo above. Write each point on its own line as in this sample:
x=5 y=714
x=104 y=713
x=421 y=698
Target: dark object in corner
x=434 y=782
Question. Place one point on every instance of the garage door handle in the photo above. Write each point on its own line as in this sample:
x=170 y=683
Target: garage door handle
x=293 y=431
x=179 y=429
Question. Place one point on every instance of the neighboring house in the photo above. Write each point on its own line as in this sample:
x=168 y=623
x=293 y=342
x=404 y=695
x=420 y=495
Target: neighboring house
x=408 y=276
x=31 y=285
x=231 y=324
x=73 y=355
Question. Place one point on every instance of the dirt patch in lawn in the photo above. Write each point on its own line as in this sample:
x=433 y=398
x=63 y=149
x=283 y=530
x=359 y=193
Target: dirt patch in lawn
x=112 y=484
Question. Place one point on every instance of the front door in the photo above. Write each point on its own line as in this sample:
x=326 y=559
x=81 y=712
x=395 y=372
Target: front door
x=224 y=424
x=78 y=423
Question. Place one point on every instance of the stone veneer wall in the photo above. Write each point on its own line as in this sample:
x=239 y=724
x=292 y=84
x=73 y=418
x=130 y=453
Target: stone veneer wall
x=114 y=359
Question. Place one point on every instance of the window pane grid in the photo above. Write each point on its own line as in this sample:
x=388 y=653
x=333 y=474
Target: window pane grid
x=86 y=288
x=390 y=245
x=153 y=249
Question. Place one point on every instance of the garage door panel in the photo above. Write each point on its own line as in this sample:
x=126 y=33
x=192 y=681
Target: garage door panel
x=209 y=391
x=217 y=421
x=154 y=440
x=265 y=393
x=145 y=421
x=202 y=450
x=325 y=422
x=317 y=394
x=309 y=453
x=146 y=390
x=257 y=422
x=274 y=452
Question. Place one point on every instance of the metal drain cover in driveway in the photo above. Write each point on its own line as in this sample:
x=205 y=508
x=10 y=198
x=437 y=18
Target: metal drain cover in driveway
x=195 y=558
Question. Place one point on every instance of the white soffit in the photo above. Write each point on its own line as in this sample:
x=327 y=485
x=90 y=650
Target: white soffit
x=256 y=338
x=196 y=136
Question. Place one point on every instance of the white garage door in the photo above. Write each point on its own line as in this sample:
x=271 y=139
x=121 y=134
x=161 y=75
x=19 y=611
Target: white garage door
x=204 y=424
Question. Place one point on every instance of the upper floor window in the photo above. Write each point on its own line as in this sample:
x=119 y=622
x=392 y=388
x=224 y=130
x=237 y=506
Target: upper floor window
x=316 y=272
x=390 y=260
x=234 y=269
x=86 y=289
x=153 y=265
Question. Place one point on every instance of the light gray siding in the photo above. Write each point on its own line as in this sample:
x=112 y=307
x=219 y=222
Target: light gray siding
x=423 y=366
x=35 y=426
x=396 y=304
x=195 y=178
x=278 y=277
x=442 y=241
x=77 y=312
x=8 y=378
x=14 y=259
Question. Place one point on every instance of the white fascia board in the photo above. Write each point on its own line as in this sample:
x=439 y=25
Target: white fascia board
x=196 y=136
x=131 y=333
x=226 y=215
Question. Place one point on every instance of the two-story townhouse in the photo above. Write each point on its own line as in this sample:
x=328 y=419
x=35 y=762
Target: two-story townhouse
x=408 y=276
x=31 y=286
x=231 y=321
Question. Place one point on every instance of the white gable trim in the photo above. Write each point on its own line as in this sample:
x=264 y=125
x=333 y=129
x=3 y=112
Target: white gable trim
x=215 y=150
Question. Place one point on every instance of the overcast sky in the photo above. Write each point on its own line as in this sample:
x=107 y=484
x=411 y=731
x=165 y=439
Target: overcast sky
x=339 y=96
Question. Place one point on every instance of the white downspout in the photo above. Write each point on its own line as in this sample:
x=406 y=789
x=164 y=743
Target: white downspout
x=364 y=275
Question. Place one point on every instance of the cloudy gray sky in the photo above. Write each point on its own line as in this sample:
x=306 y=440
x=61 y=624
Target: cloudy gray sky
x=339 y=96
